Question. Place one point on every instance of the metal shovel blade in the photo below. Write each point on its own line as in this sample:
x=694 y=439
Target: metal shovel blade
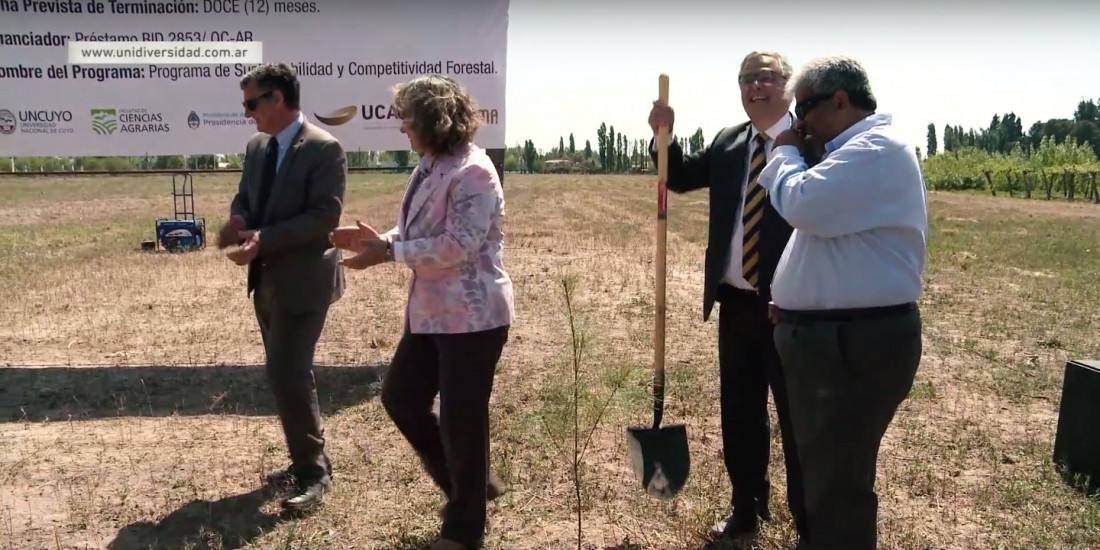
x=660 y=458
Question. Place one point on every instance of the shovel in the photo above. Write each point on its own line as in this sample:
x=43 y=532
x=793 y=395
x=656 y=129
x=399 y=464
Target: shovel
x=658 y=454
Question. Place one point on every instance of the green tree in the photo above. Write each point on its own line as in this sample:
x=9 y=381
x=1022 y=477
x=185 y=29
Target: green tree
x=572 y=145
x=512 y=157
x=1087 y=111
x=612 y=149
x=1086 y=132
x=697 y=141
x=620 y=147
x=530 y=155
x=601 y=136
x=1012 y=132
x=931 y=139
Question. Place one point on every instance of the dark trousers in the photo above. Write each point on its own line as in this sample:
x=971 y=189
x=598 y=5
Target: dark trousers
x=289 y=343
x=453 y=447
x=846 y=380
x=748 y=366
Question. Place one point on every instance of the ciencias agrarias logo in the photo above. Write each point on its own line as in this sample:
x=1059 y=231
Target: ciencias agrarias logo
x=104 y=121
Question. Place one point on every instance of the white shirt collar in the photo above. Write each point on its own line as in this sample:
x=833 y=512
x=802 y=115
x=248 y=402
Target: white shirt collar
x=286 y=134
x=782 y=124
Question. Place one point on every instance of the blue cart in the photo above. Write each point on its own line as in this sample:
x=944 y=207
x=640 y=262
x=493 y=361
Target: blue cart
x=185 y=232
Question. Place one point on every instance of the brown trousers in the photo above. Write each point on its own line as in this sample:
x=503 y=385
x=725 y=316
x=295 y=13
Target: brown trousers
x=290 y=340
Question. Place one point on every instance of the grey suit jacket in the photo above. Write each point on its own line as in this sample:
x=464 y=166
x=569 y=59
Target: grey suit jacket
x=305 y=204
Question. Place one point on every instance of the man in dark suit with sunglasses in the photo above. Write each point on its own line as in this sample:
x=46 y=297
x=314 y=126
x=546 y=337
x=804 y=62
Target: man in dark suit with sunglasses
x=290 y=197
x=746 y=239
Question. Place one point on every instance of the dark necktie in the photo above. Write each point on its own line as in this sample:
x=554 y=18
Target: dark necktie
x=267 y=179
x=754 y=211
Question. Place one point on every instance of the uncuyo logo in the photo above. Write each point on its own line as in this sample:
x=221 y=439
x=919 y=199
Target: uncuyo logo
x=7 y=122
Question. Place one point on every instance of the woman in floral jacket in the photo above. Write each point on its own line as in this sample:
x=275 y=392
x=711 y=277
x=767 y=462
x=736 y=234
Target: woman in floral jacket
x=460 y=304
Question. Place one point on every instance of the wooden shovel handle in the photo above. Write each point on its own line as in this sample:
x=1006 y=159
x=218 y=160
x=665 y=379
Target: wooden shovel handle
x=662 y=232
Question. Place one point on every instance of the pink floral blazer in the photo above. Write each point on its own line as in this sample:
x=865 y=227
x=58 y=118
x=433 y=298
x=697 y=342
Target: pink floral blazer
x=452 y=240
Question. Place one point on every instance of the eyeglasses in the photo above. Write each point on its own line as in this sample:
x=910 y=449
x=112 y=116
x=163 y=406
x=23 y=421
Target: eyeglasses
x=251 y=104
x=803 y=107
x=763 y=76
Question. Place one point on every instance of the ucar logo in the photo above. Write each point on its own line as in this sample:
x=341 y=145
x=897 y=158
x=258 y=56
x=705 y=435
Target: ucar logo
x=7 y=122
x=104 y=121
x=339 y=116
x=193 y=120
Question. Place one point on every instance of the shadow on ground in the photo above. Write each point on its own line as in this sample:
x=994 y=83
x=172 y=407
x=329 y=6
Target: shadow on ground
x=226 y=524
x=410 y=542
x=84 y=393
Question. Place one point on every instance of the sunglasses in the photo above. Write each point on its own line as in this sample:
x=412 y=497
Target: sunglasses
x=805 y=106
x=764 y=76
x=251 y=104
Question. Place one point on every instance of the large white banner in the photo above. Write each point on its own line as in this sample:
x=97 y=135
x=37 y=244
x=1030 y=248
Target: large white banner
x=348 y=53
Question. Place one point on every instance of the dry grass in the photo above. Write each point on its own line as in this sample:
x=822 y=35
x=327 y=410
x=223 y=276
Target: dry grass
x=133 y=415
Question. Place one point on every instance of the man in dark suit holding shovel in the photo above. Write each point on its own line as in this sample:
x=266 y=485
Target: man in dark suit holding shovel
x=746 y=239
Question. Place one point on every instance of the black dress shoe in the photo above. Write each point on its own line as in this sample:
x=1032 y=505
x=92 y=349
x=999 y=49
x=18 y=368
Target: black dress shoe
x=306 y=495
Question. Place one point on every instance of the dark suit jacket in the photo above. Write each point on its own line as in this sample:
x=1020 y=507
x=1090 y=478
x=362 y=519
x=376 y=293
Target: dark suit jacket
x=722 y=167
x=305 y=204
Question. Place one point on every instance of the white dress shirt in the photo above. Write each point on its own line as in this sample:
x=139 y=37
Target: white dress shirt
x=859 y=217
x=733 y=275
x=286 y=136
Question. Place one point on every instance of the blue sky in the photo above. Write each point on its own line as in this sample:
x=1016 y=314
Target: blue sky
x=942 y=62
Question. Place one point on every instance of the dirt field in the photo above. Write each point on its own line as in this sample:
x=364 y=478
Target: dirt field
x=134 y=413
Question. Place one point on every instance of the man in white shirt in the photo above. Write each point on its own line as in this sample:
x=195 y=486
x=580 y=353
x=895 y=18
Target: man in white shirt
x=746 y=239
x=845 y=290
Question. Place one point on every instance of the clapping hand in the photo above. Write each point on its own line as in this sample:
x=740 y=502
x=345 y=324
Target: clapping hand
x=248 y=250
x=369 y=247
x=230 y=232
x=353 y=238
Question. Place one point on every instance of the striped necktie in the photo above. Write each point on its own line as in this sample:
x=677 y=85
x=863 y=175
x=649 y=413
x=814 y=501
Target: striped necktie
x=753 y=213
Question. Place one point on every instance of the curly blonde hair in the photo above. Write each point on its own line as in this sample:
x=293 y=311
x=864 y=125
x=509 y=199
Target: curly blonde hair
x=438 y=111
